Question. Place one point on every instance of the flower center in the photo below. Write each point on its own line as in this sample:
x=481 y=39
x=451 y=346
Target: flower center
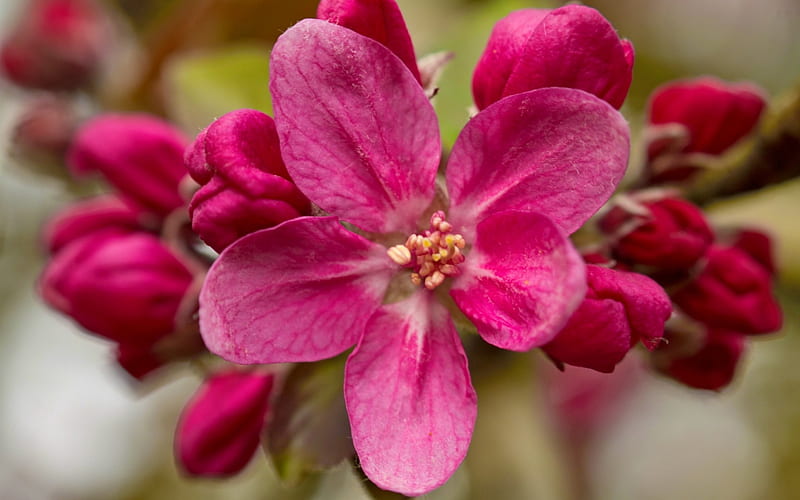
x=432 y=255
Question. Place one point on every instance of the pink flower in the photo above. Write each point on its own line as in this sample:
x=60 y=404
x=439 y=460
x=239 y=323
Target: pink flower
x=125 y=287
x=140 y=155
x=56 y=45
x=572 y=46
x=245 y=186
x=360 y=139
x=667 y=233
x=732 y=292
x=220 y=428
x=620 y=308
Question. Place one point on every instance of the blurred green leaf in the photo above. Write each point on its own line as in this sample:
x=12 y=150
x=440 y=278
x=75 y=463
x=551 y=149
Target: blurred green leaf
x=203 y=86
x=309 y=430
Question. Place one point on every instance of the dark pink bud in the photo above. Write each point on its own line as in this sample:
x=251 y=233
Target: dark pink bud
x=715 y=114
x=124 y=287
x=138 y=361
x=45 y=128
x=620 y=308
x=732 y=292
x=245 y=183
x=140 y=155
x=668 y=233
x=572 y=46
x=56 y=44
x=89 y=217
x=757 y=245
x=711 y=367
x=220 y=428
x=380 y=20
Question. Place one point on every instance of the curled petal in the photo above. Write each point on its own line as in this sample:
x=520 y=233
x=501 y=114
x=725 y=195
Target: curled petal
x=358 y=135
x=558 y=152
x=380 y=20
x=411 y=403
x=521 y=282
x=714 y=365
x=572 y=46
x=301 y=291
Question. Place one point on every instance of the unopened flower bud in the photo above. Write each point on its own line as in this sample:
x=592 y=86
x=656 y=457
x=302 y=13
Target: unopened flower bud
x=732 y=292
x=712 y=366
x=620 y=308
x=56 y=44
x=716 y=114
x=670 y=234
x=43 y=131
x=220 y=428
x=572 y=46
x=140 y=155
x=138 y=361
x=380 y=20
x=124 y=287
x=89 y=217
x=245 y=183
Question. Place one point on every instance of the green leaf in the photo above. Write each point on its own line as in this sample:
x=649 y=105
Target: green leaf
x=201 y=87
x=309 y=430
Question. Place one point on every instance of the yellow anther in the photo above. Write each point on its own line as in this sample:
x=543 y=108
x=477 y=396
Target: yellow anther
x=450 y=240
x=399 y=254
x=444 y=226
x=443 y=253
x=426 y=243
x=427 y=268
x=436 y=257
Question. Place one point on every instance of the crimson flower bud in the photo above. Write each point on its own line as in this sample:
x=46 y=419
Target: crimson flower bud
x=44 y=130
x=89 y=217
x=124 y=287
x=138 y=361
x=220 y=428
x=56 y=44
x=245 y=183
x=140 y=155
x=757 y=245
x=572 y=46
x=380 y=20
x=714 y=113
x=732 y=292
x=713 y=365
x=619 y=309
x=668 y=234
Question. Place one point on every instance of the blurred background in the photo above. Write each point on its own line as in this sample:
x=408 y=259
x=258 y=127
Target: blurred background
x=73 y=427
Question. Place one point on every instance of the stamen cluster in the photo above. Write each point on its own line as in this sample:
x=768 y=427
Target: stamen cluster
x=433 y=255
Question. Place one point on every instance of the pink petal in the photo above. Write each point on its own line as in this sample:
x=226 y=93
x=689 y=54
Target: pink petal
x=558 y=152
x=380 y=20
x=572 y=46
x=301 y=291
x=357 y=133
x=716 y=113
x=521 y=282
x=411 y=403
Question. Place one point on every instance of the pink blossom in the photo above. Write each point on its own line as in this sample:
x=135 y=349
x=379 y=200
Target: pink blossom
x=620 y=308
x=572 y=46
x=245 y=186
x=220 y=428
x=140 y=155
x=360 y=139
